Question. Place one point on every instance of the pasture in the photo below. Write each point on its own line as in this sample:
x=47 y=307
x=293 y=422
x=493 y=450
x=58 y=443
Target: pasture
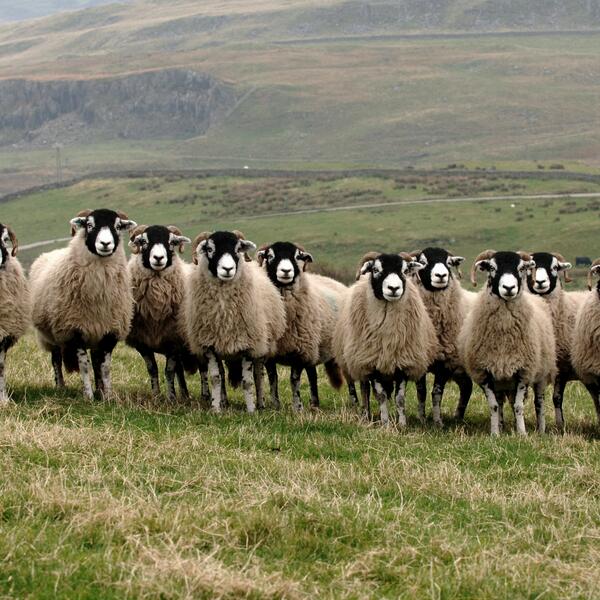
x=137 y=498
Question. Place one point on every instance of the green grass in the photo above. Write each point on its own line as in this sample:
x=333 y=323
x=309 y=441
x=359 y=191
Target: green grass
x=138 y=498
x=336 y=239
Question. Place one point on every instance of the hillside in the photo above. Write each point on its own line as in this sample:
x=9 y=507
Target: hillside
x=419 y=82
x=20 y=11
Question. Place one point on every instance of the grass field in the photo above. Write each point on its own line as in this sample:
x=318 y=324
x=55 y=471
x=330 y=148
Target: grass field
x=265 y=208
x=138 y=498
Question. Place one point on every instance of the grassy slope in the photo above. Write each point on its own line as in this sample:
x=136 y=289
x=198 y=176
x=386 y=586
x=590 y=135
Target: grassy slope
x=140 y=499
x=335 y=238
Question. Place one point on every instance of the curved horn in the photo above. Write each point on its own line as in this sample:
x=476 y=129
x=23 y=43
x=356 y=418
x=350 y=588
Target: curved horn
x=561 y=258
x=199 y=238
x=13 y=240
x=483 y=256
x=133 y=234
x=591 y=272
x=368 y=256
x=122 y=215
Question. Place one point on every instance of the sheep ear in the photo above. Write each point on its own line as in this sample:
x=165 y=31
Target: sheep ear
x=261 y=255
x=245 y=246
x=179 y=240
x=135 y=243
x=455 y=261
x=77 y=223
x=414 y=266
x=305 y=257
x=527 y=265
x=125 y=224
x=367 y=267
x=483 y=265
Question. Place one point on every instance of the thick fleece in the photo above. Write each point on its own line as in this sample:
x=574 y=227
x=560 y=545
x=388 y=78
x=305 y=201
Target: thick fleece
x=15 y=308
x=505 y=338
x=585 y=349
x=374 y=335
x=245 y=315
x=75 y=290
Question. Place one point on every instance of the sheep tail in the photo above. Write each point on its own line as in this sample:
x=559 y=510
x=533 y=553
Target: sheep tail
x=234 y=372
x=334 y=374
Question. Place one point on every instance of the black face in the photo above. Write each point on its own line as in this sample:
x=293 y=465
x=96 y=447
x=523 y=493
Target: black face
x=223 y=250
x=157 y=244
x=102 y=229
x=388 y=275
x=4 y=240
x=437 y=272
x=547 y=273
x=284 y=262
x=506 y=273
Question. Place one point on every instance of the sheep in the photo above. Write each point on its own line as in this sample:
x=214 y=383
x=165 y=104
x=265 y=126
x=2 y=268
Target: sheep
x=585 y=348
x=15 y=309
x=158 y=279
x=82 y=298
x=311 y=303
x=231 y=310
x=447 y=303
x=563 y=307
x=384 y=334
x=507 y=340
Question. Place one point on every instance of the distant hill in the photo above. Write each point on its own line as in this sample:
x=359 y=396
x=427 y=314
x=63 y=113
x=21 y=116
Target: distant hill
x=348 y=82
x=31 y=9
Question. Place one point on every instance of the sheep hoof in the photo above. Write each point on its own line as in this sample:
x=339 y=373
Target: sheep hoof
x=439 y=424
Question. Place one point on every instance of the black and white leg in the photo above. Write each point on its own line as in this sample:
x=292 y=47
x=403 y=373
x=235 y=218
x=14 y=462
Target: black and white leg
x=557 y=399
x=152 y=369
x=352 y=392
x=59 y=380
x=439 y=383
x=248 y=384
x=259 y=381
x=295 y=375
x=421 y=397
x=519 y=407
x=311 y=372
x=400 y=395
x=170 y=369
x=3 y=395
x=465 y=386
x=365 y=391
x=214 y=374
x=105 y=347
x=490 y=395
x=183 y=389
x=538 y=401
x=594 y=390
x=84 y=372
x=501 y=401
x=204 y=387
x=224 y=398
x=271 y=366
x=381 y=395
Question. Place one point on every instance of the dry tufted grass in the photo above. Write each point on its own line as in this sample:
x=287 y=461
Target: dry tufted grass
x=136 y=498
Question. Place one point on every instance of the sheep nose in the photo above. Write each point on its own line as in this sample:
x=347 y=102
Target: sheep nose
x=227 y=269
x=286 y=271
x=393 y=289
x=158 y=259
x=441 y=275
x=540 y=282
x=105 y=244
x=509 y=288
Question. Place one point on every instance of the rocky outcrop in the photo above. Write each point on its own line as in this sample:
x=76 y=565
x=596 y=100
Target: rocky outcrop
x=170 y=103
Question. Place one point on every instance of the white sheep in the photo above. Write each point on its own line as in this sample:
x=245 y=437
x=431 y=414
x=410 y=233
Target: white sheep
x=585 y=348
x=507 y=340
x=311 y=303
x=384 y=334
x=81 y=297
x=15 y=308
x=546 y=283
x=231 y=310
x=448 y=304
x=158 y=282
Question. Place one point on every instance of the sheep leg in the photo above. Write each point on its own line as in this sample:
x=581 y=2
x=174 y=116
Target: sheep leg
x=422 y=397
x=84 y=371
x=3 y=394
x=204 y=388
x=365 y=391
x=295 y=375
x=248 y=384
x=273 y=383
x=183 y=388
x=557 y=399
x=59 y=380
x=465 y=385
x=170 y=368
x=538 y=401
x=439 y=383
x=105 y=348
x=311 y=372
x=214 y=373
x=152 y=368
x=594 y=391
x=96 y=357
x=518 y=407
x=259 y=382
x=400 y=394
x=494 y=408
x=382 y=397
x=501 y=402
x=224 y=398
x=352 y=392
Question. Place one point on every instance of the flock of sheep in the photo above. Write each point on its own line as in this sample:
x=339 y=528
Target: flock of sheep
x=407 y=315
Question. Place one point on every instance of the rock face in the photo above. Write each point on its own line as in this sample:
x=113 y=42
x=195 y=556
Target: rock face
x=170 y=103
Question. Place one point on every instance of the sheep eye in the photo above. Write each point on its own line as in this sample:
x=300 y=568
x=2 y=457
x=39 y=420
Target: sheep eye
x=90 y=227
